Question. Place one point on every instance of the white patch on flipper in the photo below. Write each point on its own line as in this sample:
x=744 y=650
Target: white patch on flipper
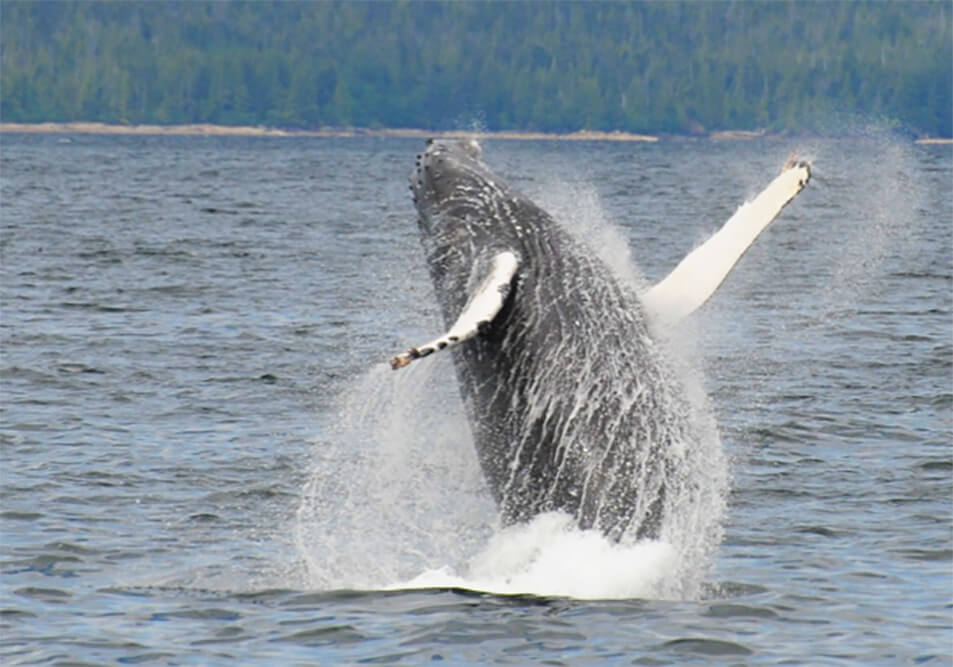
x=700 y=273
x=482 y=308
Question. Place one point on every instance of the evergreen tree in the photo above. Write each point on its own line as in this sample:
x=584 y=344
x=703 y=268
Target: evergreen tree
x=555 y=66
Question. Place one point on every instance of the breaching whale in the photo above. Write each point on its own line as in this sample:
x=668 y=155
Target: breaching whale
x=572 y=405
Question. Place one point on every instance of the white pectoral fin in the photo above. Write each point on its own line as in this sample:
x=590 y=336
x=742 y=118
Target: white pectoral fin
x=483 y=306
x=700 y=273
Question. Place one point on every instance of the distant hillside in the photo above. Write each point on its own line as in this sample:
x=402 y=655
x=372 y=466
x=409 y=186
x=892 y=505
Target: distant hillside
x=638 y=67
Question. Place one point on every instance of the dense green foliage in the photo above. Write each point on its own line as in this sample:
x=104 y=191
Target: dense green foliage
x=641 y=67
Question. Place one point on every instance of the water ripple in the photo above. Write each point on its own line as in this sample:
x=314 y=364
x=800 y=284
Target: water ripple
x=182 y=315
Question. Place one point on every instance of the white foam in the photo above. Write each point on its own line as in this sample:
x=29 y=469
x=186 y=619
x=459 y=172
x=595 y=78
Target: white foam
x=550 y=557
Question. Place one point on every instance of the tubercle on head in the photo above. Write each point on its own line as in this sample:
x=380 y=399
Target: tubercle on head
x=794 y=163
x=807 y=168
x=432 y=178
x=473 y=148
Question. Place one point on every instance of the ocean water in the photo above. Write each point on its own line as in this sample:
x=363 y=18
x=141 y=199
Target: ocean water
x=206 y=459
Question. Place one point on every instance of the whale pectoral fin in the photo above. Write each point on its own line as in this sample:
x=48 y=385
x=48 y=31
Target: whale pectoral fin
x=483 y=306
x=700 y=273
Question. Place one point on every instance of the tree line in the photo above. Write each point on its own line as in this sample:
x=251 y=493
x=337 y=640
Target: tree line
x=656 y=67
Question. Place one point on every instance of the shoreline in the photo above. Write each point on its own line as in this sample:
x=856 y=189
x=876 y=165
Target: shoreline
x=207 y=129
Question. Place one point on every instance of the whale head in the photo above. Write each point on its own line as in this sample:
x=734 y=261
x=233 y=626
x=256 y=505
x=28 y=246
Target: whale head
x=450 y=180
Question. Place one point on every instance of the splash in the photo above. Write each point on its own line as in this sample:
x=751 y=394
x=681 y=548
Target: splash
x=396 y=487
x=876 y=225
x=397 y=498
x=549 y=556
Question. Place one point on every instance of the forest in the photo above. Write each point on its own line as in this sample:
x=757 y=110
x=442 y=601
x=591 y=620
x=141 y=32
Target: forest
x=651 y=67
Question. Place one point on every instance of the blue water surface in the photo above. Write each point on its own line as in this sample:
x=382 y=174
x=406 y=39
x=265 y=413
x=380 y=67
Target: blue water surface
x=183 y=319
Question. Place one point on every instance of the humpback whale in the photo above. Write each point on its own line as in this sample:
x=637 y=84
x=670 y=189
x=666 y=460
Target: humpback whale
x=571 y=402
